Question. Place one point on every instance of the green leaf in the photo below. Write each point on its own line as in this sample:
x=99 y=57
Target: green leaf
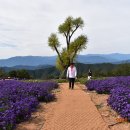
x=53 y=41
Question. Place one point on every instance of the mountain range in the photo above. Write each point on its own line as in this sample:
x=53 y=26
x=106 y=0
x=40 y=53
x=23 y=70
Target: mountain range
x=35 y=62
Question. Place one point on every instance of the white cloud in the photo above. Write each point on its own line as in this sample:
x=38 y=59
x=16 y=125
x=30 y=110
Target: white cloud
x=26 y=24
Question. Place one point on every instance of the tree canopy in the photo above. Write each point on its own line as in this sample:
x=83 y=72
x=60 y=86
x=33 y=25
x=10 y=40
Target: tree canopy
x=73 y=47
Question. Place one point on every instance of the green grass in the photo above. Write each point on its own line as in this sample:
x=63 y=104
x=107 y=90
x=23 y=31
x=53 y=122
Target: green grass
x=82 y=80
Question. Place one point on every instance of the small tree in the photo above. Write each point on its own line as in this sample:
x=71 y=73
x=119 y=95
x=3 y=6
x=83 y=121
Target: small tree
x=68 y=54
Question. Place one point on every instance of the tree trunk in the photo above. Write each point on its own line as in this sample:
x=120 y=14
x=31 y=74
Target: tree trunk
x=63 y=73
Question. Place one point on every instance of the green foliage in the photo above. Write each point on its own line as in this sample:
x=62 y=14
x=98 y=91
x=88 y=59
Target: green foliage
x=123 y=69
x=70 y=25
x=82 y=80
x=65 y=57
x=58 y=64
x=53 y=41
x=22 y=74
x=2 y=73
x=46 y=73
x=68 y=53
x=99 y=71
x=78 y=44
x=61 y=80
x=13 y=73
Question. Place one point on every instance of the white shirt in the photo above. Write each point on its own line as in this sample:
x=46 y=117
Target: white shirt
x=71 y=72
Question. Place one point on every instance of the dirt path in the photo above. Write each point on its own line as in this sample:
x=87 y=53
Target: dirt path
x=74 y=110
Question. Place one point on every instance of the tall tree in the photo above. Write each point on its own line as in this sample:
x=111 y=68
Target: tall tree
x=73 y=47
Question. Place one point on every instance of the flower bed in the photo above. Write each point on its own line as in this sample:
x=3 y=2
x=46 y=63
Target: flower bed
x=119 y=100
x=119 y=90
x=106 y=85
x=19 y=99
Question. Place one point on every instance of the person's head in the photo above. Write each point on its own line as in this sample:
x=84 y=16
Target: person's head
x=71 y=64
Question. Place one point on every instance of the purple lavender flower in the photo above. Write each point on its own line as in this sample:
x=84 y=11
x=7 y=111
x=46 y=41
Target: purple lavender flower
x=19 y=99
x=119 y=90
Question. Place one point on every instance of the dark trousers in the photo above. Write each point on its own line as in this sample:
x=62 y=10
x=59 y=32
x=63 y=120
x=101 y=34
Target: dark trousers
x=71 y=82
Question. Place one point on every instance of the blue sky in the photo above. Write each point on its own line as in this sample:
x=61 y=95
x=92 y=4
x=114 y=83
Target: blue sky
x=26 y=24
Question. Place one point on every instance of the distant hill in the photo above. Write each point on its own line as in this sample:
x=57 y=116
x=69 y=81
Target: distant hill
x=104 y=58
x=28 y=61
x=19 y=67
x=93 y=59
x=32 y=61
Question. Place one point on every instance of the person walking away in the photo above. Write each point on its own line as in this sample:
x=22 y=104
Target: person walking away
x=71 y=75
x=89 y=74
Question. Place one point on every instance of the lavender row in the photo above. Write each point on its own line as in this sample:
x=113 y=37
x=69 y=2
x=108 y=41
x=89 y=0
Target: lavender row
x=119 y=90
x=19 y=99
x=106 y=85
x=119 y=100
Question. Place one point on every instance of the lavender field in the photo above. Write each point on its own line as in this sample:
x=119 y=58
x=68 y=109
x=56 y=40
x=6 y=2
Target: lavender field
x=119 y=90
x=19 y=99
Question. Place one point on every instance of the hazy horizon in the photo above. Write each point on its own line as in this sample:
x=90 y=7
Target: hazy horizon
x=56 y=55
x=26 y=25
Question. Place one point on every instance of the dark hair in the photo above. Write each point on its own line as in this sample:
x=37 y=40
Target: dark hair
x=71 y=63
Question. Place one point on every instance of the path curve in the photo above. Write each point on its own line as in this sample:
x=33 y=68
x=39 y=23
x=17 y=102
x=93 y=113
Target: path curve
x=74 y=110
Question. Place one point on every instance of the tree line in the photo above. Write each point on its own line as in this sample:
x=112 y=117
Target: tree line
x=18 y=74
x=98 y=70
